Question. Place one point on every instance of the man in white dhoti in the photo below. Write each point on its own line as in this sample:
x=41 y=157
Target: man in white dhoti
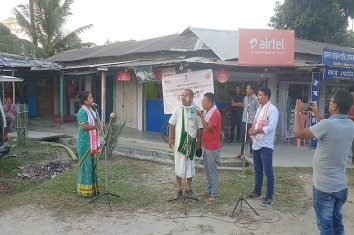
x=182 y=122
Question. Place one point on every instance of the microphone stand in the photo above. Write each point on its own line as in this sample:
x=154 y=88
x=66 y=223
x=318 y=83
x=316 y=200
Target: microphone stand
x=105 y=146
x=185 y=168
x=241 y=198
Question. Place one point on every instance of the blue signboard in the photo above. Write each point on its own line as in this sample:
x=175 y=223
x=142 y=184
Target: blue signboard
x=314 y=98
x=333 y=72
x=336 y=58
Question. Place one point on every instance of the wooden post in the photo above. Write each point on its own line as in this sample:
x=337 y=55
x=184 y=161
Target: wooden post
x=3 y=88
x=62 y=98
x=103 y=98
x=114 y=93
x=13 y=86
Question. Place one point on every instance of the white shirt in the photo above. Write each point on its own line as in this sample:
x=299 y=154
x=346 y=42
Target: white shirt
x=269 y=130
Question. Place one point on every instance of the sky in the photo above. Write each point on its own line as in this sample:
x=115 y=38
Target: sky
x=120 y=20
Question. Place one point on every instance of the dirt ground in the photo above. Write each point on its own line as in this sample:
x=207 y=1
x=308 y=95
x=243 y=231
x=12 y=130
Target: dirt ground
x=38 y=219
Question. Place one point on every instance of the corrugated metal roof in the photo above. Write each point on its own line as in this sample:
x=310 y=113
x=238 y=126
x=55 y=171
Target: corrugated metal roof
x=193 y=60
x=18 y=61
x=175 y=42
x=212 y=61
x=224 y=43
x=315 y=48
x=128 y=64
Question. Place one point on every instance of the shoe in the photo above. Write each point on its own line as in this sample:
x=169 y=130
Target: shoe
x=238 y=141
x=253 y=195
x=211 y=200
x=231 y=143
x=178 y=194
x=189 y=194
x=204 y=194
x=268 y=202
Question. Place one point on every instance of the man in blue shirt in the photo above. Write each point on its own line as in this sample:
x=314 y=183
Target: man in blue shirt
x=334 y=136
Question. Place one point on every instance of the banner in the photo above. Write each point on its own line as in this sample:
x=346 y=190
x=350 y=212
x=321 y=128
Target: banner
x=161 y=73
x=314 y=98
x=334 y=72
x=337 y=58
x=144 y=74
x=123 y=76
x=200 y=82
x=266 y=47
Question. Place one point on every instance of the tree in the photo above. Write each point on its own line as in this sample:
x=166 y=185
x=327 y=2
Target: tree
x=10 y=43
x=317 y=20
x=44 y=22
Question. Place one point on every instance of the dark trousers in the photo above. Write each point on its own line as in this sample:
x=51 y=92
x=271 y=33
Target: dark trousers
x=236 y=120
x=263 y=162
x=249 y=125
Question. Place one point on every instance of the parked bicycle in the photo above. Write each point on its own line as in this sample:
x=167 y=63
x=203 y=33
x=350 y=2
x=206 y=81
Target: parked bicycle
x=166 y=127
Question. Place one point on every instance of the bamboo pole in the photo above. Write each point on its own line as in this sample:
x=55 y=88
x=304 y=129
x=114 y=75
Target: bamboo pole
x=13 y=87
x=61 y=98
x=103 y=98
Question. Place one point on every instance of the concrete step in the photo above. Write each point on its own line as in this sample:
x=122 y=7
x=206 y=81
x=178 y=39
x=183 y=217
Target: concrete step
x=168 y=157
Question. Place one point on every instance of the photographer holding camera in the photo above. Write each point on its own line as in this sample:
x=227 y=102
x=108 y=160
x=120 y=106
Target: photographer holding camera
x=334 y=136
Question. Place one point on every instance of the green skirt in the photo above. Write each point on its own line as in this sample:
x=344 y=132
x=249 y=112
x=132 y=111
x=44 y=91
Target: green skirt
x=87 y=183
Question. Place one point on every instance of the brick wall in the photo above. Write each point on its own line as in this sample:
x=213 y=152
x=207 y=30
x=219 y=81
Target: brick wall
x=45 y=100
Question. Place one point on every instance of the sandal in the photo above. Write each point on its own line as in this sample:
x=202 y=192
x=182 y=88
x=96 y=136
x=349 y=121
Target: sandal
x=211 y=200
x=204 y=194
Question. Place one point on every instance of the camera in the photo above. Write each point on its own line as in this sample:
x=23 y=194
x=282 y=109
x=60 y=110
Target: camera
x=307 y=107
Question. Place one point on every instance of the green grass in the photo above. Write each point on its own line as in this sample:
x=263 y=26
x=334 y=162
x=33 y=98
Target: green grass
x=139 y=187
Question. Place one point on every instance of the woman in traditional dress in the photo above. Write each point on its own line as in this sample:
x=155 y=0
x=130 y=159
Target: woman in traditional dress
x=88 y=145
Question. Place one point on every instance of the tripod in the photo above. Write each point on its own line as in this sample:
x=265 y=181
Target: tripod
x=185 y=169
x=241 y=198
x=105 y=146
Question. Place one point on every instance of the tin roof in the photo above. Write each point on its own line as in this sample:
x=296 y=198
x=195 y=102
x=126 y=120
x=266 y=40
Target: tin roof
x=166 y=43
x=315 y=48
x=18 y=61
x=224 y=43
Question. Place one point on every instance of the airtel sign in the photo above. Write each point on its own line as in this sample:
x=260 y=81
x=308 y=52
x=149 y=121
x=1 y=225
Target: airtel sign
x=266 y=47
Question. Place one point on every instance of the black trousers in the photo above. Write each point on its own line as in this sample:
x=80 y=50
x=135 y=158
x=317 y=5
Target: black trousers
x=248 y=138
x=236 y=120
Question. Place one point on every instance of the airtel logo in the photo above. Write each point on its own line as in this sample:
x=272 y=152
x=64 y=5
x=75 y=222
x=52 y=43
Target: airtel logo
x=267 y=43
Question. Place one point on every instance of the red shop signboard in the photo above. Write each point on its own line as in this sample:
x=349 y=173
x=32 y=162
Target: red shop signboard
x=266 y=47
x=123 y=76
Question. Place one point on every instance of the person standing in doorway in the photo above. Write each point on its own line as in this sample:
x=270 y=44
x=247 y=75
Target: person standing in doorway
x=350 y=115
x=334 y=136
x=183 y=122
x=262 y=133
x=211 y=120
x=250 y=105
x=236 y=114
